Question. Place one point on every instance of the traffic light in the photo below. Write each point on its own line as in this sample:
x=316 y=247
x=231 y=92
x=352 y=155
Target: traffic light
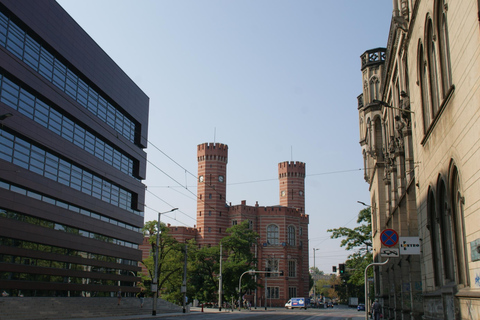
x=334 y=268
x=341 y=267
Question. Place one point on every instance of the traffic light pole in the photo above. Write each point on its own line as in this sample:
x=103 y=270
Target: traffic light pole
x=252 y=272
x=366 y=284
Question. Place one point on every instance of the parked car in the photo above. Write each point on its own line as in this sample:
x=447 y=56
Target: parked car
x=361 y=307
x=330 y=304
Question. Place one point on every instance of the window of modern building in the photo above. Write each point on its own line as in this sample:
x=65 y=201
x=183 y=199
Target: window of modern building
x=61 y=227
x=43 y=113
x=71 y=207
x=35 y=55
x=272 y=235
x=34 y=158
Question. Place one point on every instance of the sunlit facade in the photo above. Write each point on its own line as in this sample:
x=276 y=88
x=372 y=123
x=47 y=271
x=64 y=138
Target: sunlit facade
x=419 y=119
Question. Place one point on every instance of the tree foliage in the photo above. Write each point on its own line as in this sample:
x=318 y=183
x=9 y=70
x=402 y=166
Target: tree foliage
x=170 y=260
x=240 y=257
x=358 y=240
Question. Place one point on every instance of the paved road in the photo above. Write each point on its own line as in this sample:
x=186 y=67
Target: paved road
x=337 y=313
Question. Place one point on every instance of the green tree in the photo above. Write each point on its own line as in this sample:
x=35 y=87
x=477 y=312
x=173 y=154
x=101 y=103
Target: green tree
x=359 y=240
x=170 y=260
x=237 y=247
x=203 y=276
x=238 y=257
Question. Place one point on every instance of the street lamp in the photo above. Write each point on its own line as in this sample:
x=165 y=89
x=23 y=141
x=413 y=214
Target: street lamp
x=363 y=203
x=155 y=276
x=366 y=284
x=314 y=277
x=251 y=272
x=383 y=103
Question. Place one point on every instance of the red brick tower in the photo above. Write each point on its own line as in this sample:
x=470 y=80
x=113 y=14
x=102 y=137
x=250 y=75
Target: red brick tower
x=212 y=219
x=292 y=184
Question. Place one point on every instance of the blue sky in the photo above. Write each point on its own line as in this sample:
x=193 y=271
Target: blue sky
x=276 y=80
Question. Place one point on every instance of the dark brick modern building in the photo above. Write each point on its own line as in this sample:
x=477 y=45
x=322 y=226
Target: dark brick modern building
x=72 y=133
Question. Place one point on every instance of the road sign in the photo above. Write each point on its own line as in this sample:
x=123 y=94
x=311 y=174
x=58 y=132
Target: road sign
x=390 y=252
x=409 y=245
x=389 y=237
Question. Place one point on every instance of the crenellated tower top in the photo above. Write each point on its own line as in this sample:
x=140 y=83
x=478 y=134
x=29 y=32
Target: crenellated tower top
x=292 y=184
x=288 y=168
x=212 y=151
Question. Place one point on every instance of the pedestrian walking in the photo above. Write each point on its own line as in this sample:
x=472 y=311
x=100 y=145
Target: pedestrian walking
x=119 y=296
x=141 y=296
x=376 y=310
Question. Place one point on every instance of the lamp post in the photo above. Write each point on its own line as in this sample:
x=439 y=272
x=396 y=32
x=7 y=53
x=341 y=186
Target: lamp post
x=155 y=276
x=314 y=277
x=363 y=203
x=383 y=103
x=251 y=272
x=366 y=284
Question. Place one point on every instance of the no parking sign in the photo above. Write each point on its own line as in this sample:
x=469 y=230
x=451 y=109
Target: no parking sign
x=389 y=237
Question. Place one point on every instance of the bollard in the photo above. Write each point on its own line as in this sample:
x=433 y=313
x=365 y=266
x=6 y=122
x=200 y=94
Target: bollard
x=202 y=307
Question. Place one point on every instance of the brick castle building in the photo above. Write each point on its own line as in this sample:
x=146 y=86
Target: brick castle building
x=283 y=229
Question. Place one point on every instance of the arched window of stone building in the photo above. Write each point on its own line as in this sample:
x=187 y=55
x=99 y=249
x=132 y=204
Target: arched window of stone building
x=374 y=88
x=434 y=228
x=459 y=227
x=443 y=47
x=291 y=235
x=422 y=81
x=365 y=166
x=378 y=138
x=272 y=235
x=432 y=69
x=446 y=232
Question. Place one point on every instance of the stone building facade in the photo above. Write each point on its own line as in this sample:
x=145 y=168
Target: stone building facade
x=282 y=229
x=419 y=132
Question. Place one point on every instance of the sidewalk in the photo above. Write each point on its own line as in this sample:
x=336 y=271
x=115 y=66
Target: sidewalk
x=193 y=310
